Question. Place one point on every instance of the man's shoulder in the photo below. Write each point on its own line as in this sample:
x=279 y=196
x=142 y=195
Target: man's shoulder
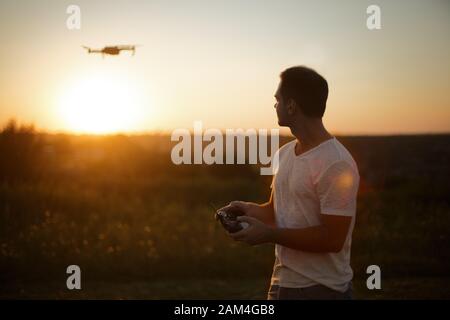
x=343 y=155
x=334 y=153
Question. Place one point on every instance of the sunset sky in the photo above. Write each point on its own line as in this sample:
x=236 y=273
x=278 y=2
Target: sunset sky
x=219 y=62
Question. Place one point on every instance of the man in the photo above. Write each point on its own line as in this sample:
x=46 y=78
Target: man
x=311 y=212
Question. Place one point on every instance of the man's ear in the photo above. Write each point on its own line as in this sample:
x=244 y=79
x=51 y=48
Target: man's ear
x=291 y=106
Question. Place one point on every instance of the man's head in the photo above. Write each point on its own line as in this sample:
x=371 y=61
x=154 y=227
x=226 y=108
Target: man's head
x=302 y=94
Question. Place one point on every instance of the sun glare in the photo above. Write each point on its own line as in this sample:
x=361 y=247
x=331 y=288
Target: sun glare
x=101 y=104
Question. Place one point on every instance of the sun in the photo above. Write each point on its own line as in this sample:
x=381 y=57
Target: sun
x=101 y=104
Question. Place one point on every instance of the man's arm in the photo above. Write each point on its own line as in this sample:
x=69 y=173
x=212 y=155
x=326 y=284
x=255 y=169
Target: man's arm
x=328 y=237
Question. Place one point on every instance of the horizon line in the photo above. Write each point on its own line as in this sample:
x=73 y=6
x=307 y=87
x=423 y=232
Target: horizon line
x=169 y=133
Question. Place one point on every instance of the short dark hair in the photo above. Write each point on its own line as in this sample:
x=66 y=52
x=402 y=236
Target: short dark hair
x=307 y=88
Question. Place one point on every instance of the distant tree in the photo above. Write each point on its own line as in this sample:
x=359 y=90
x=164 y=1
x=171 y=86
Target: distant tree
x=21 y=150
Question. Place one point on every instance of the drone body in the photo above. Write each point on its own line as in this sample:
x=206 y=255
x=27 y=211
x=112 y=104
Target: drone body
x=112 y=50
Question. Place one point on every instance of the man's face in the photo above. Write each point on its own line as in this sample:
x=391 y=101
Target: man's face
x=281 y=108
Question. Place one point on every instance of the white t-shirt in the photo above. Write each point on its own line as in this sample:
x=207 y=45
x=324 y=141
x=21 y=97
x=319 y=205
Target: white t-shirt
x=322 y=180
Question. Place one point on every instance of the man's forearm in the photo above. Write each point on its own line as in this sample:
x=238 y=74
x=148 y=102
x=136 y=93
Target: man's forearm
x=312 y=239
x=264 y=212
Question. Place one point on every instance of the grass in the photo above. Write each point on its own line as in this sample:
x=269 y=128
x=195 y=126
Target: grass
x=242 y=288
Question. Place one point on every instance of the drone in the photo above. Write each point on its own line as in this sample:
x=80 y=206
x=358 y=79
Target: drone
x=112 y=50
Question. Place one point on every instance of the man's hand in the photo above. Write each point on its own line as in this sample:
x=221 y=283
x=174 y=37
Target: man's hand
x=255 y=233
x=241 y=205
x=263 y=212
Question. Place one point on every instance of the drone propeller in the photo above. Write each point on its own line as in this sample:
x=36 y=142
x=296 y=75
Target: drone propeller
x=133 y=48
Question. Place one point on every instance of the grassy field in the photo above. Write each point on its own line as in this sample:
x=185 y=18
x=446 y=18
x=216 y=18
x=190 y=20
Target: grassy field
x=142 y=227
x=245 y=288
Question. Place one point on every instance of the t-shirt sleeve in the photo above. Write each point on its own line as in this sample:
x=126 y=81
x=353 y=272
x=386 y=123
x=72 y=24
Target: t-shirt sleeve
x=337 y=188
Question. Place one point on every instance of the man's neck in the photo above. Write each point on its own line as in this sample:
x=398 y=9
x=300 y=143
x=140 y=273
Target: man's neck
x=310 y=135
